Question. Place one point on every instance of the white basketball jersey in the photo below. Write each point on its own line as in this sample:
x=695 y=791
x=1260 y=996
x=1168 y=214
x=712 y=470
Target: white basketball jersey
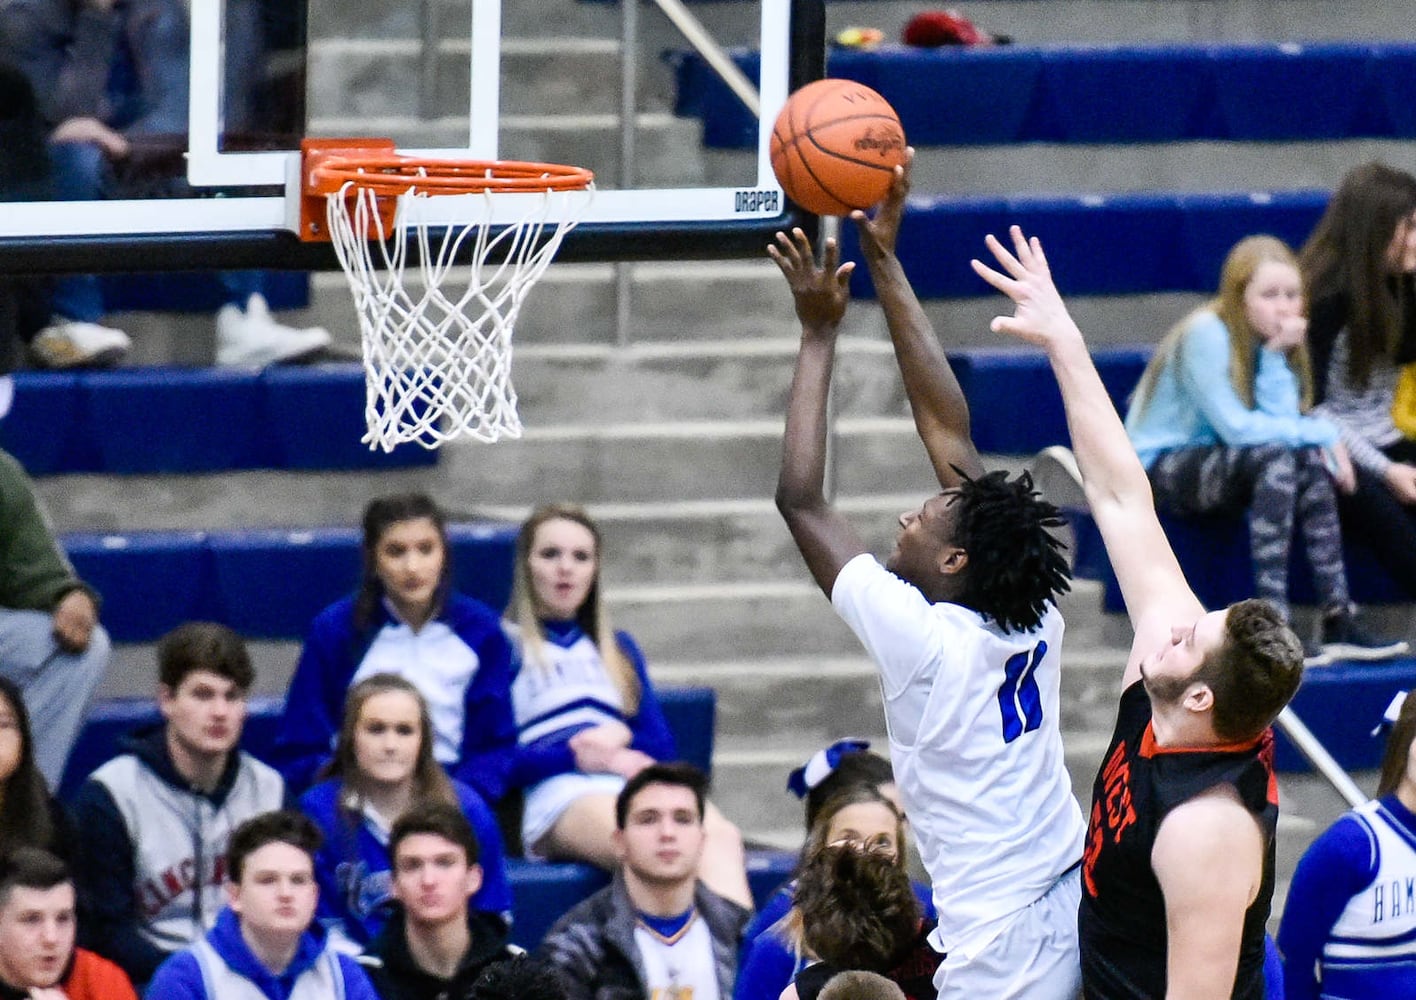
x=972 y=712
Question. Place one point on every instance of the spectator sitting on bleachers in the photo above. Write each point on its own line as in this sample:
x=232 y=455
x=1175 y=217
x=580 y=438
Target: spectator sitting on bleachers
x=51 y=644
x=29 y=815
x=24 y=176
x=657 y=929
x=406 y=620
x=1360 y=269
x=434 y=946
x=1349 y=928
x=832 y=770
x=842 y=764
x=857 y=815
x=586 y=713
x=156 y=820
x=262 y=944
x=112 y=78
x=383 y=766
x=856 y=911
x=1218 y=421
x=37 y=921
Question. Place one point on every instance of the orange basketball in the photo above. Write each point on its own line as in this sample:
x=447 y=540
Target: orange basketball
x=835 y=146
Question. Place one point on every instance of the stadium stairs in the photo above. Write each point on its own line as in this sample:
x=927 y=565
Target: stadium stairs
x=672 y=437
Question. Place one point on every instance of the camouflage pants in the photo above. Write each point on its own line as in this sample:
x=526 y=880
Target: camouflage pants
x=1276 y=485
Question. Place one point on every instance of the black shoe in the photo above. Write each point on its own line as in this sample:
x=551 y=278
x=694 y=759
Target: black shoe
x=1344 y=639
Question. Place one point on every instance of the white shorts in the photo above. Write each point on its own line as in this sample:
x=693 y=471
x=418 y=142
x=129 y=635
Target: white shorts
x=1034 y=957
x=546 y=800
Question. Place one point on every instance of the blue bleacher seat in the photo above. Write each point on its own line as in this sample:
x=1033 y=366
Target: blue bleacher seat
x=272 y=583
x=1287 y=91
x=1393 y=79
x=149 y=581
x=146 y=420
x=44 y=429
x=184 y=420
x=1214 y=553
x=989 y=377
x=1090 y=240
x=316 y=418
x=1363 y=690
x=1212 y=223
x=266 y=583
x=1119 y=93
x=692 y=715
x=1102 y=94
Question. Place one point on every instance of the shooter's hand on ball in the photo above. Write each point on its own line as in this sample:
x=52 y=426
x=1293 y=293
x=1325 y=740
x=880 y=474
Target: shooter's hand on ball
x=878 y=231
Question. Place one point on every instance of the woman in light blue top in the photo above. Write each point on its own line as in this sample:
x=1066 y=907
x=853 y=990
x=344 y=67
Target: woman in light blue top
x=1219 y=420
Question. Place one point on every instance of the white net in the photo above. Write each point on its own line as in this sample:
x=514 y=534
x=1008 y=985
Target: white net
x=437 y=333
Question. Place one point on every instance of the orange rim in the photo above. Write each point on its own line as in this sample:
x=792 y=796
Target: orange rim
x=390 y=176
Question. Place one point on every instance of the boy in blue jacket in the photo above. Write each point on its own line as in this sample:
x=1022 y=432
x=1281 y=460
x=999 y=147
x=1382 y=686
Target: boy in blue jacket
x=263 y=945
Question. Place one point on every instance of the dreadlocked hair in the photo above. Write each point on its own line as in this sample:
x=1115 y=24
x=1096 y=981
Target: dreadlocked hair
x=1015 y=562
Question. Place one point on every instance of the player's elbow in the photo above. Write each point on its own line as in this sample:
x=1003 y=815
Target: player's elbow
x=794 y=501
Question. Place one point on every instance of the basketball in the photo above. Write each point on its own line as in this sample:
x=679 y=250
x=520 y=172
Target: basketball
x=835 y=146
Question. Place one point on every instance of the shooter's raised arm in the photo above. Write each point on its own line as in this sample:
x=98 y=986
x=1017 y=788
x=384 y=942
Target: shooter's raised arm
x=941 y=414
x=1117 y=489
x=826 y=540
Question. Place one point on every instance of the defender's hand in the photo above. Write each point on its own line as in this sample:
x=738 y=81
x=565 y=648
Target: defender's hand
x=1040 y=317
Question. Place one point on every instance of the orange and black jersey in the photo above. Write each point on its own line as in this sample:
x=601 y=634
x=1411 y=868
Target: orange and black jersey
x=1122 y=918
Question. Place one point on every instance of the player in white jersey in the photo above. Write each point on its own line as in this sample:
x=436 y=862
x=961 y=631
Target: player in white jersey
x=961 y=622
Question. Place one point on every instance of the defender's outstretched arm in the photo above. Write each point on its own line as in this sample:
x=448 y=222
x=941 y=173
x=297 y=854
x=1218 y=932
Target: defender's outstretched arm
x=1117 y=488
x=941 y=413
x=826 y=539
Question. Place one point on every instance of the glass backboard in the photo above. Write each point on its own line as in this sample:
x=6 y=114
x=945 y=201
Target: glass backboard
x=200 y=106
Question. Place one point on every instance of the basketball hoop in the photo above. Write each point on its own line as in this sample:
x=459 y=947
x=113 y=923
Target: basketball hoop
x=437 y=362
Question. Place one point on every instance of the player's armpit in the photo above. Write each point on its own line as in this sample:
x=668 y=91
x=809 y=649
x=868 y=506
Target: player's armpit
x=826 y=539
x=1208 y=858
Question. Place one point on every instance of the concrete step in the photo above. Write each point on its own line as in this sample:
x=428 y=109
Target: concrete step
x=732 y=621
x=668 y=153
x=671 y=306
x=608 y=463
x=338 y=19
x=539 y=76
x=723 y=380
x=1028 y=23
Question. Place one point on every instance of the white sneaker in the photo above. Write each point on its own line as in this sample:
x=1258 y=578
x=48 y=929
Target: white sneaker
x=1056 y=476
x=72 y=344
x=253 y=339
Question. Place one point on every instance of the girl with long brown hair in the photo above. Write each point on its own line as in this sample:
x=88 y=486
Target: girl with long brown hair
x=383 y=764
x=1220 y=422
x=1360 y=267
x=407 y=619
